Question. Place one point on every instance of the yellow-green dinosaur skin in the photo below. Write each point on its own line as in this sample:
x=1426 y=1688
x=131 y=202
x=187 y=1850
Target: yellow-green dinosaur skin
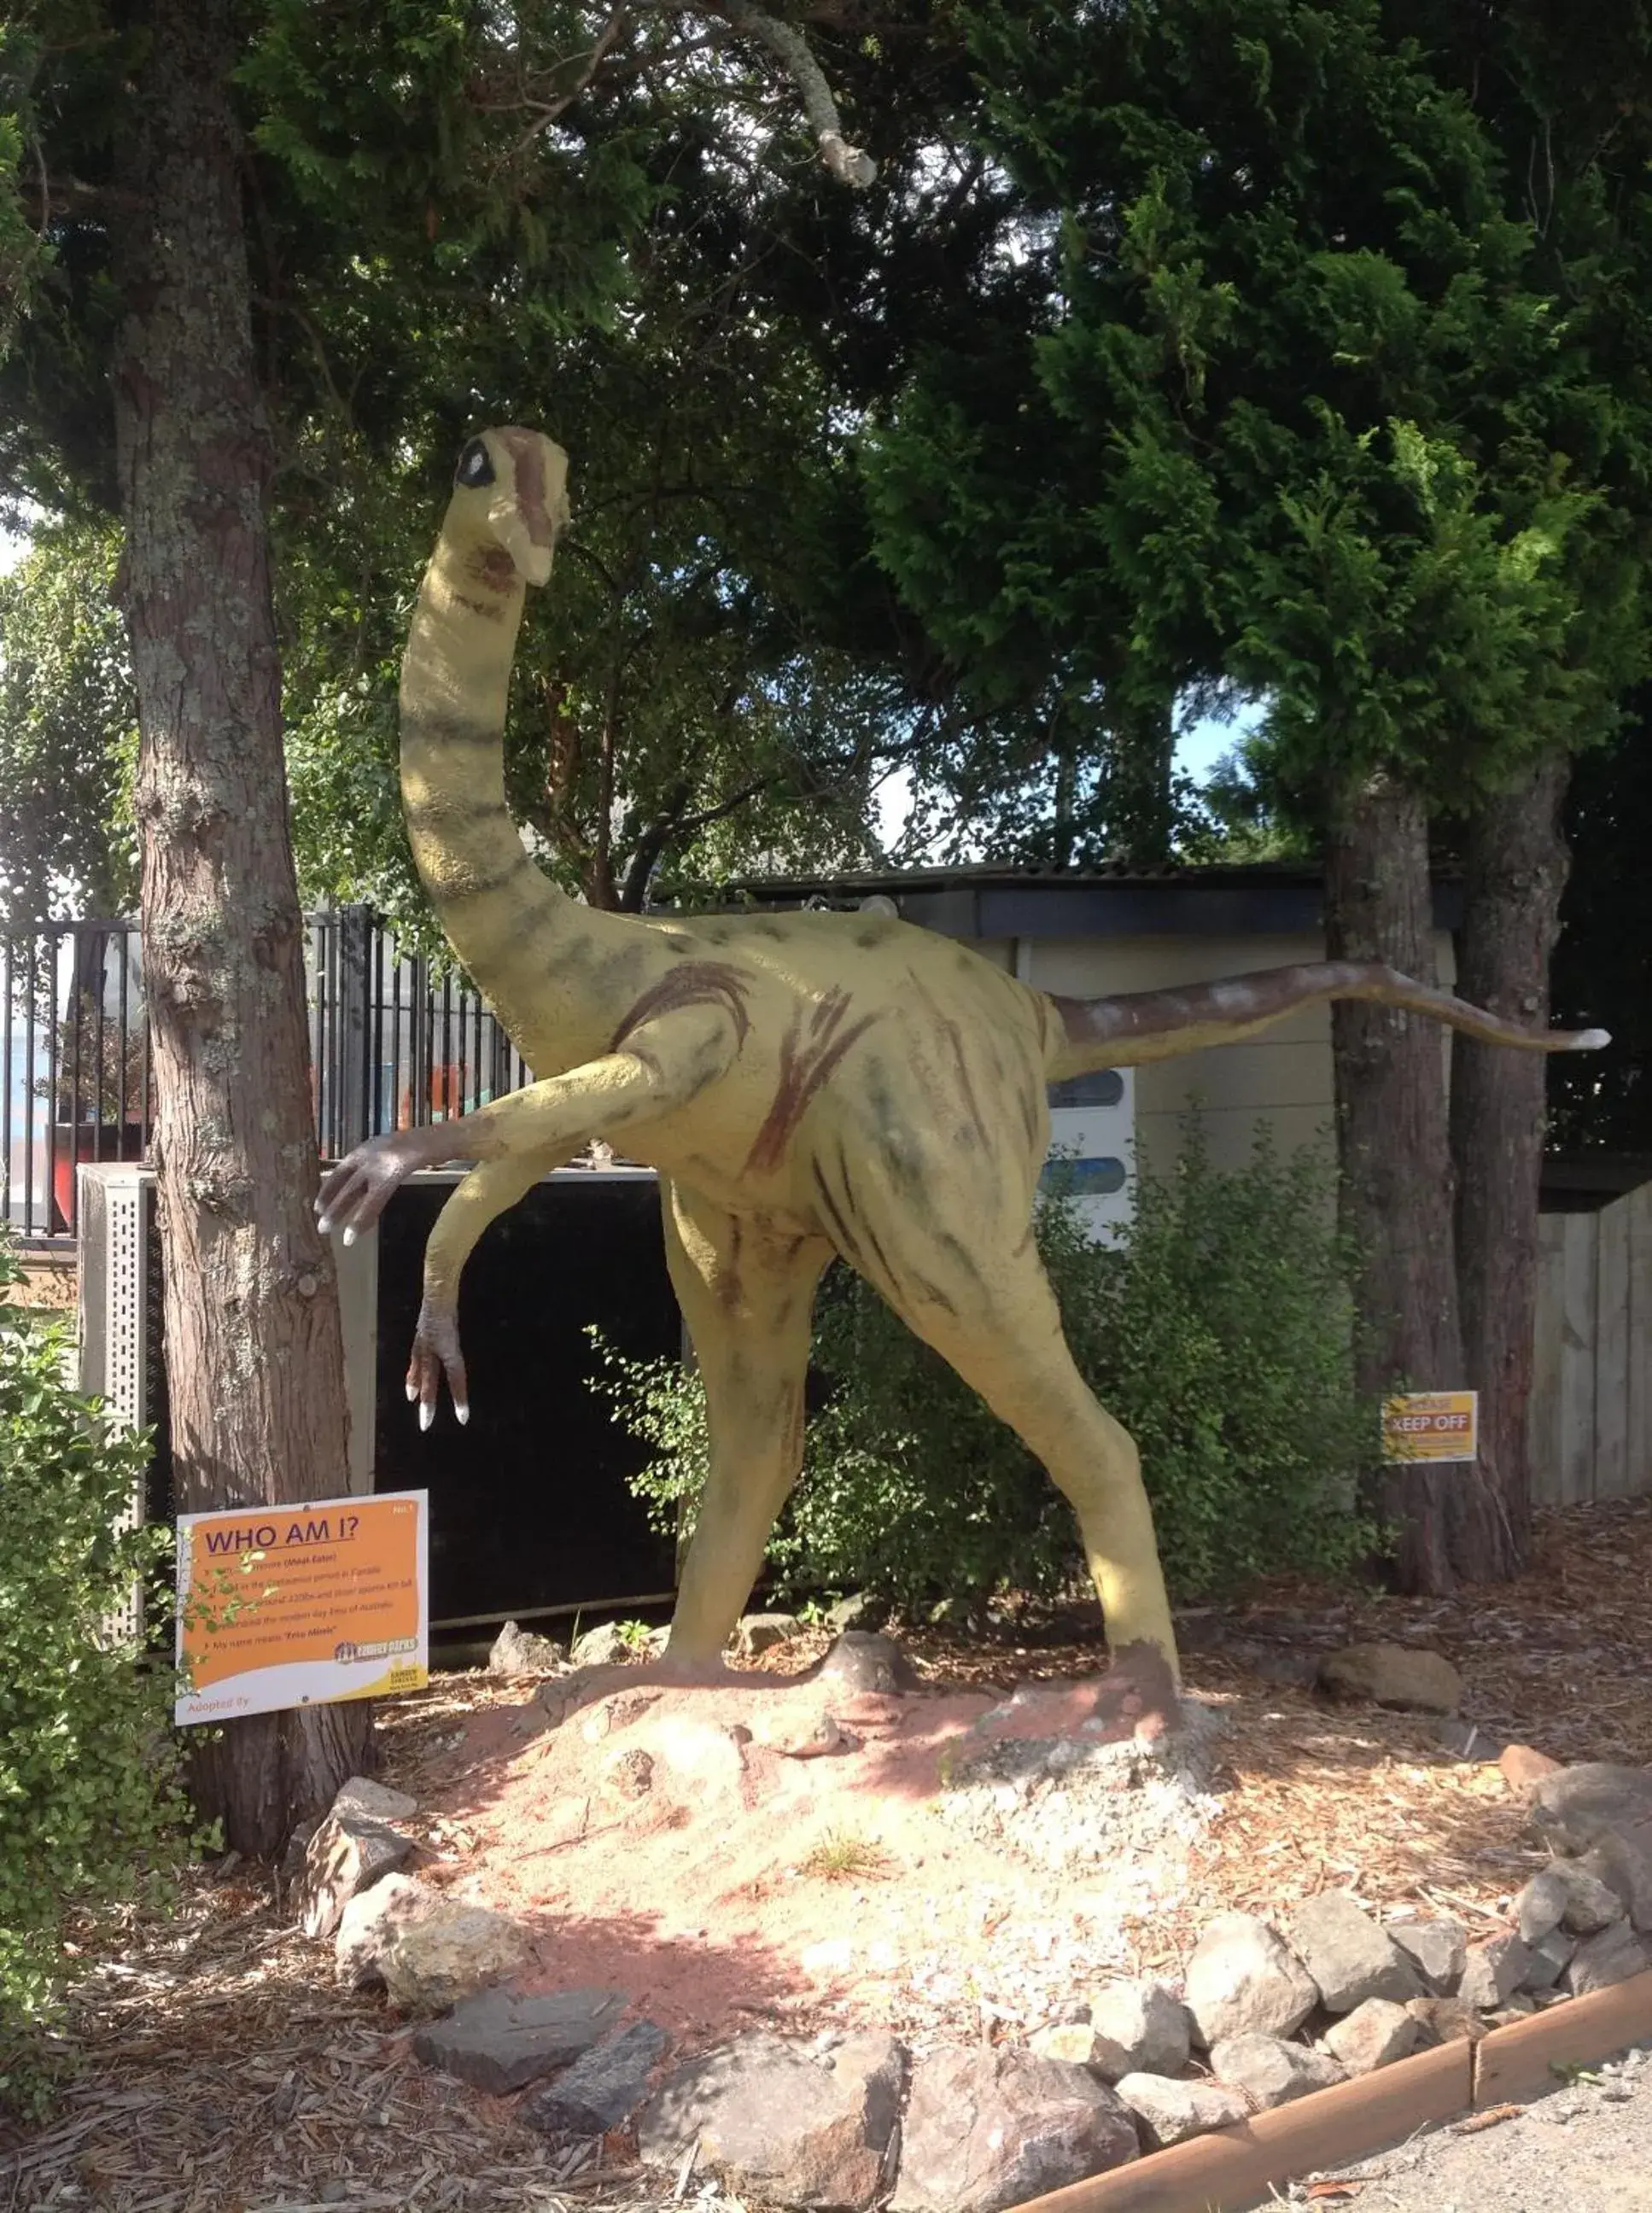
x=806 y=1084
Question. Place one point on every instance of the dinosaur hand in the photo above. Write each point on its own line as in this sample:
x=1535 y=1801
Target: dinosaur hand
x=436 y=1353
x=355 y=1193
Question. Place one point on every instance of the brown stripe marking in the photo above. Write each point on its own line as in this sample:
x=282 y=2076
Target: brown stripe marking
x=492 y=566
x=691 y=984
x=954 y=1037
x=839 y=1231
x=805 y=1065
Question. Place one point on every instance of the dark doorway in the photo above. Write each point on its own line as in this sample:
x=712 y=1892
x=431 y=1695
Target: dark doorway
x=529 y=1508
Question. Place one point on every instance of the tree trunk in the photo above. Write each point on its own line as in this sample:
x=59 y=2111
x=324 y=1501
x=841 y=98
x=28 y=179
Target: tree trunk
x=1395 y=1155
x=255 y=1362
x=1516 y=872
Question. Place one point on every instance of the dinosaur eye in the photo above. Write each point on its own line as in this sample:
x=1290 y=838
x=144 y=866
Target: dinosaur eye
x=474 y=465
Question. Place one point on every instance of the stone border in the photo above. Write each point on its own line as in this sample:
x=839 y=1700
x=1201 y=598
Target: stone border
x=1233 y=2168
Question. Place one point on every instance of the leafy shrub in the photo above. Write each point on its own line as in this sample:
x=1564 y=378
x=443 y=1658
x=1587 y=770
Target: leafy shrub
x=91 y=1815
x=1218 y=1330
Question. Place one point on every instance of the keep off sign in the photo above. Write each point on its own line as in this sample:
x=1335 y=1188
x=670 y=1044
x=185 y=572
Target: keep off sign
x=300 y=1605
x=1431 y=1425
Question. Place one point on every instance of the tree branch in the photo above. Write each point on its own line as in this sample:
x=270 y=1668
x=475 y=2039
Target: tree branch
x=847 y=163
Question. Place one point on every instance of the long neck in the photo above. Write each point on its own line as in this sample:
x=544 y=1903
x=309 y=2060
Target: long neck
x=512 y=927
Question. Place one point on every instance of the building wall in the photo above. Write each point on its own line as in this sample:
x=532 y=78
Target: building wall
x=1283 y=1077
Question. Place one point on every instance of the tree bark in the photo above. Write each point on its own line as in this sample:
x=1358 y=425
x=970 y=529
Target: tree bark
x=1394 y=1151
x=1516 y=871
x=254 y=1361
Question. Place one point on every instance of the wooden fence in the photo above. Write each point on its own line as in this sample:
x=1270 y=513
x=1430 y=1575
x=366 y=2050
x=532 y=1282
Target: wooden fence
x=1592 y=1392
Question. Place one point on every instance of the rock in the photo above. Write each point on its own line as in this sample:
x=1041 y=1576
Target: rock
x=780 y=2123
x=346 y=1857
x=603 y=1646
x=361 y=1799
x=1577 y=1807
x=1241 y=1978
x=1611 y=1956
x=629 y=1772
x=1523 y=1768
x=827 y=1738
x=447 y=1953
x=518 y=1651
x=498 y=2040
x=1170 y=2110
x=859 y=1611
x=1372 y=2035
x=1437 y=1949
x=1394 y=1675
x=1348 y=1955
x=862 y=1661
x=1074 y=2043
x=1493 y=1972
x=1445 y=2021
x=1550 y=1955
x=1270 y=2071
x=1622 y=1862
x=370 y=1920
x=600 y=2090
x=290 y=1868
x=1541 y=1905
x=761 y=1632
x=1140 y=2029
x=986 y=2130
x=1592 y=1902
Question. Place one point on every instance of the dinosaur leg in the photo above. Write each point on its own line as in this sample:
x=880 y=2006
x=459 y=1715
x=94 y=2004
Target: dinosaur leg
x=746 y=1291
x=995 y=1320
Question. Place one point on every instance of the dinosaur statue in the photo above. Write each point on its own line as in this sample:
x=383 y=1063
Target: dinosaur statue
x=806 y=1085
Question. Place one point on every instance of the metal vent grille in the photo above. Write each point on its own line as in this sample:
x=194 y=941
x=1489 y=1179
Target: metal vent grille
x=120 y=1323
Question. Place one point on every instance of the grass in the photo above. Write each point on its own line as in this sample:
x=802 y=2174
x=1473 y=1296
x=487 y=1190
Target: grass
x=841 y=1856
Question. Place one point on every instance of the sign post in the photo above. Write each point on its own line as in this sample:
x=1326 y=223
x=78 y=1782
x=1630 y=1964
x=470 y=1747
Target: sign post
x=299 y=1606
x=1431 y=1425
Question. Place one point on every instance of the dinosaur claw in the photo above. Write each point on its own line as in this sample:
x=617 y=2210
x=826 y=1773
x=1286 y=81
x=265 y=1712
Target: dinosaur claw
x=426 y=1414
x=461 y=1409
x=412 y=1392
x=350 y=1235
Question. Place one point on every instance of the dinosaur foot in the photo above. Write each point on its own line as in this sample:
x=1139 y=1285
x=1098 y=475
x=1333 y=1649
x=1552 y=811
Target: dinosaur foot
x=1137 y=1697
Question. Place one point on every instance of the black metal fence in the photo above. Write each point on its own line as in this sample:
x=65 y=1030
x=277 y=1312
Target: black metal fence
x=395 y=1041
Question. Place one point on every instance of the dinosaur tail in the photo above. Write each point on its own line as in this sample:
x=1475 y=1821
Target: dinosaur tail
x=1140 y=1026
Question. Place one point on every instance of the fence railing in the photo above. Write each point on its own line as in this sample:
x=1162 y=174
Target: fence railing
x=394 y=1042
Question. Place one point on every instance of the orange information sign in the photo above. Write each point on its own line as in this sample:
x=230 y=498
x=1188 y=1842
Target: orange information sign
x=1431 y=1425
x=299 y=1606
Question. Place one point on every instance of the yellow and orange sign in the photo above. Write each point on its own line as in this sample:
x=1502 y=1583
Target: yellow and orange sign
x=1431 y=1425
x=299 y=1606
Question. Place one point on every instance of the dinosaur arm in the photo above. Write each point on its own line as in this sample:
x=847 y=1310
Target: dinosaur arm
x=490 y=1189
x=1142 y=1026
x=662 y=1066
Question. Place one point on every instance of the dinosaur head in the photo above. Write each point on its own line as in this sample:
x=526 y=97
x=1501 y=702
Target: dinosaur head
x=511 y=487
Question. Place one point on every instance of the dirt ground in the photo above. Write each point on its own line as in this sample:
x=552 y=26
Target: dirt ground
x=1586 y=2148
x=723 y=1884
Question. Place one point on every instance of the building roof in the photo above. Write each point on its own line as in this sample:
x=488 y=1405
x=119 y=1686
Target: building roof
x=1113 y=900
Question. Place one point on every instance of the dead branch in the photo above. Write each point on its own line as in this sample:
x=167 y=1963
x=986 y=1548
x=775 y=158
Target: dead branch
x=847 y=163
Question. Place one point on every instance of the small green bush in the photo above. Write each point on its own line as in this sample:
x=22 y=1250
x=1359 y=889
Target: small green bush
x=1218 y=1330
x=91 y=1814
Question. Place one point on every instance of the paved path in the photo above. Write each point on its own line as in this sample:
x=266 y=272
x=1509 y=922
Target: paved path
x=1586 y=2148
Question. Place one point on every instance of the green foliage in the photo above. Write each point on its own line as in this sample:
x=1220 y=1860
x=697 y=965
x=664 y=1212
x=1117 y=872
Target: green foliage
x=1219 y=1329
x=1330 y=398
x=68 y=730
x=91 y=1814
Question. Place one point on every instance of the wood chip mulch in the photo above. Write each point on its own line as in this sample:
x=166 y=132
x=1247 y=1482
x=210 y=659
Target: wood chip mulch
x=221 y=2071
